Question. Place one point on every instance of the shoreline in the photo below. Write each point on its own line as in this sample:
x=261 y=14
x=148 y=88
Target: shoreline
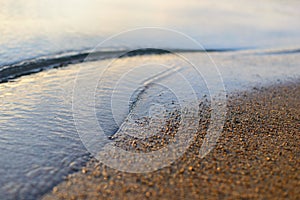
x=35 y=65
x=257 y=156
x=11 y=71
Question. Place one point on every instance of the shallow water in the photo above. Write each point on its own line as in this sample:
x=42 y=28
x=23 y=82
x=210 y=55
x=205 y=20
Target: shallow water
x=38 y=139
x=39 y=142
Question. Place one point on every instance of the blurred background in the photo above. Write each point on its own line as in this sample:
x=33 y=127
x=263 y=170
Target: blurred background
x=32 y=28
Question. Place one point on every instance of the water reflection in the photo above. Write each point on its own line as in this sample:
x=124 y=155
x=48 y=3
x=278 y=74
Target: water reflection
x=31 y=28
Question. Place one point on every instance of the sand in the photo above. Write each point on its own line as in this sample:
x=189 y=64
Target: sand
x=257 y=157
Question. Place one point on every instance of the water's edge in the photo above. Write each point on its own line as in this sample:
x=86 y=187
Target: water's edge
x=27 y=67
x=45 y=107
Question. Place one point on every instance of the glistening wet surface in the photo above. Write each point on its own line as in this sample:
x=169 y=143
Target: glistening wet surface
x=39 y=142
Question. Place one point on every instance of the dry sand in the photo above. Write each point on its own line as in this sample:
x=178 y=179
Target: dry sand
x=257 y=157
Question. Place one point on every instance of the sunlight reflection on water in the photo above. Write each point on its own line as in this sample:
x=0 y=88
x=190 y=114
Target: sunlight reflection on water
x=33 y=28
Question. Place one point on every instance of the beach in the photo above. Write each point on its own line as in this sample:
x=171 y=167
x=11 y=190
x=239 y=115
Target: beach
x=161 y=100
x=256 y=157
x=41 y=114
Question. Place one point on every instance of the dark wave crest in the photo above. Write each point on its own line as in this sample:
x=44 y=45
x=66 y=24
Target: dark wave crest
x=26 y=67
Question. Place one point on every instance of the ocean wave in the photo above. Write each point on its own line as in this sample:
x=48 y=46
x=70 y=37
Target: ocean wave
x=26 y=67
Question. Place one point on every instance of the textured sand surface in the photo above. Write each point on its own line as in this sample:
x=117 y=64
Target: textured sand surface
x=257 y=157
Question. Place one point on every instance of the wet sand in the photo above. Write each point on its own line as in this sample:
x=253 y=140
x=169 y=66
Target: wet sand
x=257 y=157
